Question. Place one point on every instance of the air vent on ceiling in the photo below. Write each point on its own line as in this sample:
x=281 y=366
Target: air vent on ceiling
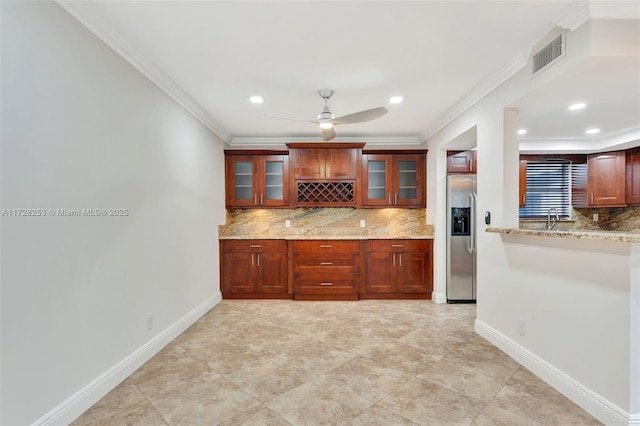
x=548 y=55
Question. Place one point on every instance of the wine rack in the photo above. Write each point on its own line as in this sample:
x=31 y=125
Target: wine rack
x=327 y=193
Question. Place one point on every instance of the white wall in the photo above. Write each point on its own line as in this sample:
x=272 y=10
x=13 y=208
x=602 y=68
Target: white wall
x=567 y=342
x=82 y=129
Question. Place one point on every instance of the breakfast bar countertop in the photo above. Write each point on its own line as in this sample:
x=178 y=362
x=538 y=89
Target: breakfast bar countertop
x=617 y=236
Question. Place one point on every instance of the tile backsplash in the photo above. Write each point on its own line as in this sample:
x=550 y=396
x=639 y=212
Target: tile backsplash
x=622 y=219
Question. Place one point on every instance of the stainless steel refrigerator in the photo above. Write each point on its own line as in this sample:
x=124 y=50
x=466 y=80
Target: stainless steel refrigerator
x=461 y=238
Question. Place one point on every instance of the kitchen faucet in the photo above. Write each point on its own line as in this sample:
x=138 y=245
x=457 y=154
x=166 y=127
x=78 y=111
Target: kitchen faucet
x=552 y=220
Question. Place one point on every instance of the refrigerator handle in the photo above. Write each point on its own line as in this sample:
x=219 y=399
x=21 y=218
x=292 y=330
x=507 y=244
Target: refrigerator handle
x=474 y=233
x=471 y=225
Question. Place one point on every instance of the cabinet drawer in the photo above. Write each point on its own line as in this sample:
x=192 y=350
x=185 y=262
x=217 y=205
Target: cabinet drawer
x=326 y=246
x=306 y=259
x=398 y=246
x=244 y=246
x=326 y=286
x=325 y=274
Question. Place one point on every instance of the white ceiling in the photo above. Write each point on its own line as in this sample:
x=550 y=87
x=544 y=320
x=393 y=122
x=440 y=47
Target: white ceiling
x=440 y=55
x=610 y=87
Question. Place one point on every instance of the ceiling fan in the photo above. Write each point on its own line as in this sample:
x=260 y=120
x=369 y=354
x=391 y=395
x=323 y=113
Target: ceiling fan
x=327 y=120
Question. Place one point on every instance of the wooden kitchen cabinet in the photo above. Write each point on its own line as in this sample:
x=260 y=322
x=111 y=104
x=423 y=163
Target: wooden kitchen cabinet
x=325 y=174
x=325 y=269
x=254 y=269
x=254 y=179
x=633 y=177
x=606 y=179
x=523 y=183
x=398 y=269
x=461 y=162
x=391 y=179
x=324 y=163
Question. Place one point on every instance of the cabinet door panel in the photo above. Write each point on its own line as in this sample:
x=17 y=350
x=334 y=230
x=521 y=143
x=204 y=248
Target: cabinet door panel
x=341 y=163
x=309 y=163
x=274 y=189
x=607 y=179
x=461 y=162
x=409 y=181
x=272 y=272
x=238 y=274
x=242 y=179
x=523 y=183
x=380 y=277
x=376 y=180
x=633 y=177
x=411 y=272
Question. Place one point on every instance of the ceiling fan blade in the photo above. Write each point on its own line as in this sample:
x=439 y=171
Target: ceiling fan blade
x=328 y=134
x=361 y=117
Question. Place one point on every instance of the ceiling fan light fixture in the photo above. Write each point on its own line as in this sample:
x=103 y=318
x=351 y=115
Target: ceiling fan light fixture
x=325 y=125
x=577 y=106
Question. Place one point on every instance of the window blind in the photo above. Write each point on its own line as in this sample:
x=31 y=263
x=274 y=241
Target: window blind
x=548 y=187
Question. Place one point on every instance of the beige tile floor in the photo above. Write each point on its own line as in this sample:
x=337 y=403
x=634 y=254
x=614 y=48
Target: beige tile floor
x=274 y=362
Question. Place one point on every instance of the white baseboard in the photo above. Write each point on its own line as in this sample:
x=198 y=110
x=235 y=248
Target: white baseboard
x=439 y=297
x=599 y=407
x=82 y=400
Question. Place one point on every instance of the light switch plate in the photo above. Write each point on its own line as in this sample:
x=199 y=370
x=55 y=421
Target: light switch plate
x=362 y=224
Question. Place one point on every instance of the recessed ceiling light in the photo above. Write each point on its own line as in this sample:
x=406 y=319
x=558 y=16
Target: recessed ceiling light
x=592 y=131
x=522 y=131
x=396 y=99
x=256 y=99
x=577 y=106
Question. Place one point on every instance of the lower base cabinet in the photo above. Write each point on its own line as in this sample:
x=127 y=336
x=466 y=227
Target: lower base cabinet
x=254 y=269
x=398 y=269
x=326 y=269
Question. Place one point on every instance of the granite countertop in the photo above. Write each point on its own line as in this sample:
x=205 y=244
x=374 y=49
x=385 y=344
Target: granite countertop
x=622 y=237
x=330 y=235
x=326 y=224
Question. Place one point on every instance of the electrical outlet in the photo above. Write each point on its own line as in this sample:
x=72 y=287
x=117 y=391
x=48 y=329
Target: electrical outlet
x=362 y=224
x=287 y=223
x=523 y=326
x=149 y=321
x=595 y=217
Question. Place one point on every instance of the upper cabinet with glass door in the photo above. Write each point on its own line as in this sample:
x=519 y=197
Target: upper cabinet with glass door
x=392 y=179
x=258 y=180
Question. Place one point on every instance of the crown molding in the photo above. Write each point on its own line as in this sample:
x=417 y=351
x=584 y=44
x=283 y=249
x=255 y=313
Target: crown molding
x=621 y=9
x=581 y=12
x=486 y=86
x=370 y=141
x=102 y=29
x=575 y=16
